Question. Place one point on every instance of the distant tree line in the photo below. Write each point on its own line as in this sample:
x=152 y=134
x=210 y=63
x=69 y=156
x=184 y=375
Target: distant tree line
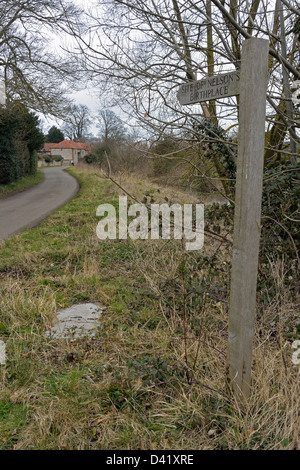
x=20 y=138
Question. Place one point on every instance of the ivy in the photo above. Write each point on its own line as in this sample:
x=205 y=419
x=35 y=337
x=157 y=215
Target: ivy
x=219 y=144
x=280 y=233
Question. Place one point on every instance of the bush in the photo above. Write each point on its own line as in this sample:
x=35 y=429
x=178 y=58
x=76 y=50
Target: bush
x=165 y=146
x=98 y=156
x=20 y=137
x=280 y=223
x=280 y=228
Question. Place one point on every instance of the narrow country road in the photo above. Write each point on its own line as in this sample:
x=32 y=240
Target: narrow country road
x=26 y=209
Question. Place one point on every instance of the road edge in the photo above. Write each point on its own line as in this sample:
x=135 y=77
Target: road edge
x=18 y=191
x=37 y=221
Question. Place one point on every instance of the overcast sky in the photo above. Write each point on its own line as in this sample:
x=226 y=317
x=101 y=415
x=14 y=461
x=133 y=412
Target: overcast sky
x=87 y=96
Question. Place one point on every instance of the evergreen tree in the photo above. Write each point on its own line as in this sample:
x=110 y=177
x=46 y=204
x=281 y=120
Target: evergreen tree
x=20 y=138
x=54 y=135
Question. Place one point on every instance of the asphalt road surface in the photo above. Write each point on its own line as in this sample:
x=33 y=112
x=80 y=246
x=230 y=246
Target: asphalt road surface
x=27 y=208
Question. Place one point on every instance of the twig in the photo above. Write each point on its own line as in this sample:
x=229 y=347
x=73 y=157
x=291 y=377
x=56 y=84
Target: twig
x=208 y=232
x=291 y=238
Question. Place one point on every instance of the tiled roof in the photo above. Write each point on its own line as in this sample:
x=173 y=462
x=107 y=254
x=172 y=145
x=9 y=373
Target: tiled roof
x=48 y=146
x=67 y=144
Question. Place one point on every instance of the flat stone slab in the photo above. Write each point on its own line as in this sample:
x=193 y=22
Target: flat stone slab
x=2 y=353
x=76 y=322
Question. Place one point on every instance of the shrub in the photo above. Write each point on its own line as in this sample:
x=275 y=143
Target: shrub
x=280 y=227
x=20 y=137
x=165 y=146
x=280 y=223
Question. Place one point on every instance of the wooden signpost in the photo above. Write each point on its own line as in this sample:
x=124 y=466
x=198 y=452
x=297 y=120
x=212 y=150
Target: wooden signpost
x=210 y=88
x=252 y=87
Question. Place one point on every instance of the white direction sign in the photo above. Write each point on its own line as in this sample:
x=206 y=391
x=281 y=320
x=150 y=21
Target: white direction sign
x=210 y=88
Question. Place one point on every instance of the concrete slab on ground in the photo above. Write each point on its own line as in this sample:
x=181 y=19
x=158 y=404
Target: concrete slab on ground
x=76 y=322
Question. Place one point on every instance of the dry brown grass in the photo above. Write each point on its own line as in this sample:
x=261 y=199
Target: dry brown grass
x=137 y=184
x=154 y=377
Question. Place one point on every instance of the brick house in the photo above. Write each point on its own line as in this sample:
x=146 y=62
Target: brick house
x=72 y=152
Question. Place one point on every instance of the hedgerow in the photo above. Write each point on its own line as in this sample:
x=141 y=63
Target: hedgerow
x=20 y=137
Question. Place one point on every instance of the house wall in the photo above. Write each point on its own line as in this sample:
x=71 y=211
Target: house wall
x=65 y=153
x=69 y=154
x=78 y=155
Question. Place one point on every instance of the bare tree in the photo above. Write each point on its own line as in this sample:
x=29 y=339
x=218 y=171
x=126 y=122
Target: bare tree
x=145 y=49
x=111 y=127
x=77 y=122
x=32 y=73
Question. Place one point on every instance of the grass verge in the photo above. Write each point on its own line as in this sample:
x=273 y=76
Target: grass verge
x=20 y=185
x=154 y=376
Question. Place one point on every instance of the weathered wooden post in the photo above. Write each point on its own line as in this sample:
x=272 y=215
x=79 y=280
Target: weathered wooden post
x=251 y=85
x=252 y=114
